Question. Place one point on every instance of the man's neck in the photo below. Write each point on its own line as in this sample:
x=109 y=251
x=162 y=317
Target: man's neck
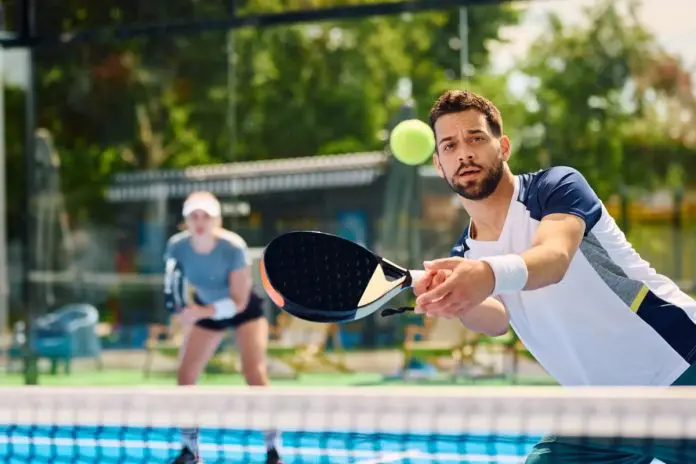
x=488 y=215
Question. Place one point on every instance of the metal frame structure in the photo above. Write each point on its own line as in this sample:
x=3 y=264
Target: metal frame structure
x=26 y=36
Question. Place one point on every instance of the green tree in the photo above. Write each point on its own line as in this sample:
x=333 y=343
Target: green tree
x=157 y=102
x=334 y=83
x=665 y=133
x=585 y=97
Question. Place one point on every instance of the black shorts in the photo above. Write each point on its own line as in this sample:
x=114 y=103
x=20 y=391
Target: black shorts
x=254 y=310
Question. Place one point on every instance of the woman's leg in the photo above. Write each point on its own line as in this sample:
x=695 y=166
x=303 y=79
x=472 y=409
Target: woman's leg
x=199 y=346
x=252 y=340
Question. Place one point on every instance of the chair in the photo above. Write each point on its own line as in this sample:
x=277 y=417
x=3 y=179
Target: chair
x=63 y=335
x=509 y=346
x=300 y=344
x=162 y=339
x=447 y=344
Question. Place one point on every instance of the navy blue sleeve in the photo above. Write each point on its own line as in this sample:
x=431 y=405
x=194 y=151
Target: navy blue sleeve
x=460 y=247
x=564 y=190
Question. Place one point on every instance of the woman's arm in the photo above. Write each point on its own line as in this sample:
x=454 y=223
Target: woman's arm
x=239 y=282
x=240 y=287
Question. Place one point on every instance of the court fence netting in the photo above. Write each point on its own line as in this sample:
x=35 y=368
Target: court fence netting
x=356 y=425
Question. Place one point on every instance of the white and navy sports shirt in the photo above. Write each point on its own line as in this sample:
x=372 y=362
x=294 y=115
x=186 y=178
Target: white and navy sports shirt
x=612 y=320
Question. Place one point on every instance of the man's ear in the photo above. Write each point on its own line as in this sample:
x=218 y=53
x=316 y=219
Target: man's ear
x=436 y=164
x=505 y=147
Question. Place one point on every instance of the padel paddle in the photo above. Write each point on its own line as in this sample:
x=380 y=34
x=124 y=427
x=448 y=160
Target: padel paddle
x=321 y=277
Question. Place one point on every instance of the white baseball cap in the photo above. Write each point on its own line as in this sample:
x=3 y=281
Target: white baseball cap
x=203 y=203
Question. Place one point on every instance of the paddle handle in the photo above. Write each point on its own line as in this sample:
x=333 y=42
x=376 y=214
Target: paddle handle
x=416 y=274
x=392 y=311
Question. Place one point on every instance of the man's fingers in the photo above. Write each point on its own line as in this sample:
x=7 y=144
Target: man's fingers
x=444 y=263
x=424 y=283
x=430 y=279
x=439 y=278
x=447 y=308
x=436 y=293
x=443 y=305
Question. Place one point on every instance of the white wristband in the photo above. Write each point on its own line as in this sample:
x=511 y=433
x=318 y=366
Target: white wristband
x=510 y=273
x=224 y=309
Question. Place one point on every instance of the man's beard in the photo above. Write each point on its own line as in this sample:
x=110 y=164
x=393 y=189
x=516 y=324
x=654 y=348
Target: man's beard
x=481 y=188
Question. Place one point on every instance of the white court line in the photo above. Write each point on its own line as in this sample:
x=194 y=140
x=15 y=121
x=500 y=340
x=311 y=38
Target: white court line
x=391 y=457
x=372 y=457
x=440 y=457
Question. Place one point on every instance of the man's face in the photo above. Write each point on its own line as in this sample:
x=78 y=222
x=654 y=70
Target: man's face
x=468 y=156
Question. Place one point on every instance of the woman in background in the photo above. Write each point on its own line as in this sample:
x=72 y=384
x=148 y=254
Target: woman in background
x=216 y=264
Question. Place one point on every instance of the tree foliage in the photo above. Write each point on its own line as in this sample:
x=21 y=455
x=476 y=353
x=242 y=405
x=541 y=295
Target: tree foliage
x=594 y=86
x=171 y=101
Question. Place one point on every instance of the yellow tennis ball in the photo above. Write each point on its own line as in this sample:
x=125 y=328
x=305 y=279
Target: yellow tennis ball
x=412 y=142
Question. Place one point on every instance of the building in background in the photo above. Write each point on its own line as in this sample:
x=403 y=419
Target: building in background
x=351 y=195
x=260 y=200
x=341 y=194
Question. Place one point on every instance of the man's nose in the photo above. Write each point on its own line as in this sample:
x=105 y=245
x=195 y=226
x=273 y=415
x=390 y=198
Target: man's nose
x=466 y=154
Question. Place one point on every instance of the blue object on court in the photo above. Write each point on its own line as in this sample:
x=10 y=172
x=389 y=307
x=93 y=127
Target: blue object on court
x=65 y=334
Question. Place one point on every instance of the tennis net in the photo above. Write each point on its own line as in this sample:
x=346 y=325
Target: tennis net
x=355 y=425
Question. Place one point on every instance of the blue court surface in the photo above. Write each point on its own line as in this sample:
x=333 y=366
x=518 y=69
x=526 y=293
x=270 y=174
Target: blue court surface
x=46 y=444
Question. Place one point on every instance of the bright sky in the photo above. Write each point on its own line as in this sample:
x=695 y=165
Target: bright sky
x=672 y=22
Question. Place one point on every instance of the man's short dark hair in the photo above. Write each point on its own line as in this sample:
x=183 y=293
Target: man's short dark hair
x=456 y=101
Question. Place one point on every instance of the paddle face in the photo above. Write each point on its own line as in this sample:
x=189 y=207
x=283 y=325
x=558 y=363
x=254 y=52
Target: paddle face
x=324 y=278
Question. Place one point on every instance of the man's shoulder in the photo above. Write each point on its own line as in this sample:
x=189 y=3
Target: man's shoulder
x=560 y=189
x=548 y=177
x=533 y=185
